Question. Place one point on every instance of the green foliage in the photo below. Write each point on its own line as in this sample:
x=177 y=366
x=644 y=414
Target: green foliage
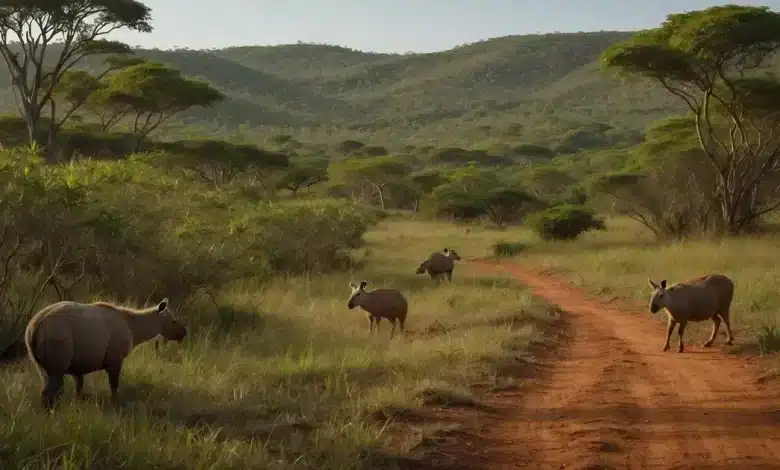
x=564 y=222
x=534 y=151
x=304 y=173
x=473 y=192
x=75 y=86
x=218 y=162
x=768 y=339
x=661 y=183
x=126 y=231
x=427 y=180
x=27 y=28
x=505 y=249
x=376 y=172
x=306 y=236
x=456 y=202
x=506 y=204
x=713 y=60
x=459 y=156
x=151 y=93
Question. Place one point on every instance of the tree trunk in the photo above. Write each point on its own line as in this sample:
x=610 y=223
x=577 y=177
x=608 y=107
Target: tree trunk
x=381 y=198
x=32 y=118
x=50 y=152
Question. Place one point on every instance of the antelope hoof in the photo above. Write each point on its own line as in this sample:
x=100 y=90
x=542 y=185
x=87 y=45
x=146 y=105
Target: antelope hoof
x=730 y=342
x=666 y=348
x=708 y=344
x=680 y=349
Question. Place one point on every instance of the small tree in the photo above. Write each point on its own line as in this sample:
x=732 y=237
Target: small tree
x=456 y=202
x=218 y=162
x=505 y=204
x=350 y=147
x=565 y=222
x=76 y=87
x=40 y=40
x=425 y=182
x=377 y=172
x=151 y=93
x=533 y=151
x=304 y=173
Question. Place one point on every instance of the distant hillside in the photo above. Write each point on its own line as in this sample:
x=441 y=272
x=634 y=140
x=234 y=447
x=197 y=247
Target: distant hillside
x=542 y=84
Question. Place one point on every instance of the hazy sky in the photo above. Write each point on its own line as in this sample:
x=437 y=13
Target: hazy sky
x=392 y=25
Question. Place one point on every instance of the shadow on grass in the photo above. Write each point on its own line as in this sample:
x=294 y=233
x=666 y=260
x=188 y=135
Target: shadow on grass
x=292 y=409
x=228 y=321
x=14 y=352
x=268 y=334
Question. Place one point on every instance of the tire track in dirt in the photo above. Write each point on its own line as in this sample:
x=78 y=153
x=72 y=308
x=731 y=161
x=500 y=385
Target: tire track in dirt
x=608 y=398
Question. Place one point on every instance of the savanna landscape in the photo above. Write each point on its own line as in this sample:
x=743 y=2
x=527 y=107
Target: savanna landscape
x=255 y=186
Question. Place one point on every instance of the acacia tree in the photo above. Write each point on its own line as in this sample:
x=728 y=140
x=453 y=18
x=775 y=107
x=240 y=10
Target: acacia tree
x=40 y=40
x=150 y=94
x=377 y=172
x=425 y=181
x=506 y=204
x=304 y=173
x=218 y=162
x=76 y=88
x=711 y=60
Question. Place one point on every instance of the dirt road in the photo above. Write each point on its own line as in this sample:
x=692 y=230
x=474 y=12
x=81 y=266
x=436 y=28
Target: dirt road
x=608 y=398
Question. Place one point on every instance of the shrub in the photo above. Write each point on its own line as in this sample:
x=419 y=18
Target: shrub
x=304 y=236
x=126 y=231
x=769 y=339
x=564 y=222
x=507 y=249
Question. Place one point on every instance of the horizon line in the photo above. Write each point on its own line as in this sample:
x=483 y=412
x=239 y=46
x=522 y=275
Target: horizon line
x=363 y=51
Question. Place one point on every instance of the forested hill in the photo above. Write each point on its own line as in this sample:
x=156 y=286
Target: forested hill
x=550 y=83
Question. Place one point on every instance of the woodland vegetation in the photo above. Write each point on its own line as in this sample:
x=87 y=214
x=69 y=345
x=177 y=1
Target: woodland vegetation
x=212 y=176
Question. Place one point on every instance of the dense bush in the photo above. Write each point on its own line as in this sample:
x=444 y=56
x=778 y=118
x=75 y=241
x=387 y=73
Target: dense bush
x=564 y=222
x=127 y=231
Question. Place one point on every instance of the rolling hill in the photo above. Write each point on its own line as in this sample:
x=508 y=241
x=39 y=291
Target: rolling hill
x=528 y=87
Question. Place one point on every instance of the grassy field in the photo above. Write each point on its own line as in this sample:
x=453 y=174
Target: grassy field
x=287 y=377
x=616 y=264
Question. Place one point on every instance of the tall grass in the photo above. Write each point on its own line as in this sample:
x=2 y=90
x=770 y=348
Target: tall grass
x=285 y=376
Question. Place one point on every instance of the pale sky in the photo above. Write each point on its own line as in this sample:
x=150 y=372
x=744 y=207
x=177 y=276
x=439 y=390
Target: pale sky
x=393 y=25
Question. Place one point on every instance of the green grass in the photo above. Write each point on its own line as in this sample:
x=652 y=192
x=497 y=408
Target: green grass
x=287 y=377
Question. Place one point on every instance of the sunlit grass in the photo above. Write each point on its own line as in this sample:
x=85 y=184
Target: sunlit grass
x=616 y=264
x=285 y=376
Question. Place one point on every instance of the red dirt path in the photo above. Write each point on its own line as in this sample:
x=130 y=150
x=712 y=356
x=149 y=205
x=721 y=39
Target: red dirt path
x=608 y=398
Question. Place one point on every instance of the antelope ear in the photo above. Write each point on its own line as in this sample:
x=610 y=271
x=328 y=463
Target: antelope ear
x=663 y=284
x=162 y=305
x=363 y=284
x=446 y=250
x=652 y=284
x=352 y=285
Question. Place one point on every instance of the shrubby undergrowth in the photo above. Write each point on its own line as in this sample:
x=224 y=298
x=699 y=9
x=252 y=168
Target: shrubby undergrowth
x=128 y=231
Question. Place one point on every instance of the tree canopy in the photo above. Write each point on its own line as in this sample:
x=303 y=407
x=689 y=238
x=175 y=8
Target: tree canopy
x=377 y=172
x=151 y=93
x=30 y=28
